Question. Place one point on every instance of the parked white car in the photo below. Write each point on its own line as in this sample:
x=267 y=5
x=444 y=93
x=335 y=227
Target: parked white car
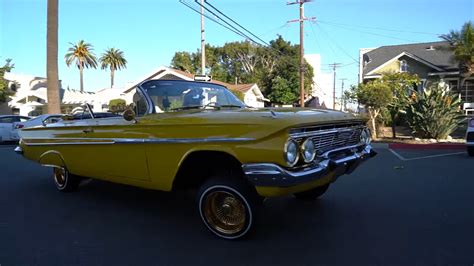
x=8 y=128
x=41 y=120
x=470 y=137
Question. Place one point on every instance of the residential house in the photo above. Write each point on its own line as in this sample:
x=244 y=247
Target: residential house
x=30 y=98
x=430 y=61
x=252 y=95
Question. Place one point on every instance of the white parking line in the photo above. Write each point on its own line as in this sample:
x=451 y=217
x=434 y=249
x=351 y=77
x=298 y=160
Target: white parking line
x=423 y=157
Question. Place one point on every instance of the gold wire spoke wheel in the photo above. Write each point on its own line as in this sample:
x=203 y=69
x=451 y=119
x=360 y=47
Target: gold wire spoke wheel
x=60 y=176
x=224 y=212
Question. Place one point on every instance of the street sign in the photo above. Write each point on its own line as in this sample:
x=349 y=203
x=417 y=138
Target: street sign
x=202 y=78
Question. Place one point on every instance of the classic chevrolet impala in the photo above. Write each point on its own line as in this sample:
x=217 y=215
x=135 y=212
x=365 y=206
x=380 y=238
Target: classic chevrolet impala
x=182 y=134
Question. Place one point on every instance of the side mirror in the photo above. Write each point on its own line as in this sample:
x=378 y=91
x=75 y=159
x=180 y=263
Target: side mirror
x=129 y=115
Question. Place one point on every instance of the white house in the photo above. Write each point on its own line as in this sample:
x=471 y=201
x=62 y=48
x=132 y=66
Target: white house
x=30 y=98
x=252 y=95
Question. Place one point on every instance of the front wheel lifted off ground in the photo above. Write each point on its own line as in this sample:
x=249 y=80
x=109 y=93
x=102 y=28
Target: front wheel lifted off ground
x=228 y=206
x=65 y=181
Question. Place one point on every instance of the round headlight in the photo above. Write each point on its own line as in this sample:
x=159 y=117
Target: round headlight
x=291 y=152
x=308 y=151
x=365 y=136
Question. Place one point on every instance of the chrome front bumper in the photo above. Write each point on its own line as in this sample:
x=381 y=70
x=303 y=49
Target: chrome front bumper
x=269 y=174
x=18 y=150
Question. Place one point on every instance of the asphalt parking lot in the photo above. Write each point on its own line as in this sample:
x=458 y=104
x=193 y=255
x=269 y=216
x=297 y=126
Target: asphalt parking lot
x=401 y=208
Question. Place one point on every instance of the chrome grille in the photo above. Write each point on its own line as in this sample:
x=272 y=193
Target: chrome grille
x=330 y=138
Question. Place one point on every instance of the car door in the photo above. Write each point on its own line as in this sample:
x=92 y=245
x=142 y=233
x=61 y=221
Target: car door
x=17 y=120
x=5 y=128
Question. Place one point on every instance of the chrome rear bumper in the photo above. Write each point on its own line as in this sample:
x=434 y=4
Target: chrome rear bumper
x=269 y=174
x=18 y=150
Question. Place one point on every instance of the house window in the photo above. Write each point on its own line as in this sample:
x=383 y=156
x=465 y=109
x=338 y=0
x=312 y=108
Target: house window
x=403 y=66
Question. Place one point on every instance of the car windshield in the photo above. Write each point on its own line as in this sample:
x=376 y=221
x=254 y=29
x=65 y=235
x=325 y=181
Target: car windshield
x=172 y=95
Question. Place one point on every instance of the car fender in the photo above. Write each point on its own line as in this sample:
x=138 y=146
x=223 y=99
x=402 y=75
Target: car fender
x=52 y=158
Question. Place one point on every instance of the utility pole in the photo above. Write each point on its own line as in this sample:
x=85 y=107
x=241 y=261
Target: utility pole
x=203 y=42
x=302 y=66
x=342 y=93
x=334 y=66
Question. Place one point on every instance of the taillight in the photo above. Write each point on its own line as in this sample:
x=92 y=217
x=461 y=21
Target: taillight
x=18 y=126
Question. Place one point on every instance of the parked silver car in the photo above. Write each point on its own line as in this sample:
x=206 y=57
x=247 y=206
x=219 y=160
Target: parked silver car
x=41 y=120
x=8 y=126
x=470 y=137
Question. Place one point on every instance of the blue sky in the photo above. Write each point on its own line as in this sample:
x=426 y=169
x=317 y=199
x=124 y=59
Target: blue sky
x=150 y=31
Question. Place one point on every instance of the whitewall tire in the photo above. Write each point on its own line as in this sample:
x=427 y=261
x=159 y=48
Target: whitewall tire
x=227 y=207
x=65 y=181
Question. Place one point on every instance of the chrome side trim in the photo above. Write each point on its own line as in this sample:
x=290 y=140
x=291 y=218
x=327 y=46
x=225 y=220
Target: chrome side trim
x=109 y=141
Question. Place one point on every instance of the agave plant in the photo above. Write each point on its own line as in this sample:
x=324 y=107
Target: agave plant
x=434 y=113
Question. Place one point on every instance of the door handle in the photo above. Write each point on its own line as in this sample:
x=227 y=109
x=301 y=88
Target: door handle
x=88 y=130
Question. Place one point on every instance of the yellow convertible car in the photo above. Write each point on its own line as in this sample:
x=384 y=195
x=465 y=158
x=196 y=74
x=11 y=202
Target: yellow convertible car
x=185 y=134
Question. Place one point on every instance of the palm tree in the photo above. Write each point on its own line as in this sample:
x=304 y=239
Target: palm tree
x=82 y=54
x=462 y=45
x=114 y=60
x=52 y=58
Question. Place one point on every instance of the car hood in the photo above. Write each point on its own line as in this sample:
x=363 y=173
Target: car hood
x=286 y=117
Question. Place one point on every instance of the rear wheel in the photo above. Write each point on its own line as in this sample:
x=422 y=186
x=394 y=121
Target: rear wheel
x=470 y=151
x=312 y=194
x=227 y=207
x=65 y=181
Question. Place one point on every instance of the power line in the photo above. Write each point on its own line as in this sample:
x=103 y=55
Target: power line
x=370 y=33
x=242 y=27
x=211 y=18
x=337 y=45
x=379 y=28
x=228 y=24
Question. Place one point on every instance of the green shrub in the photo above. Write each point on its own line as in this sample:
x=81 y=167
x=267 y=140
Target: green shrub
x=117 y=105
x=434 y=113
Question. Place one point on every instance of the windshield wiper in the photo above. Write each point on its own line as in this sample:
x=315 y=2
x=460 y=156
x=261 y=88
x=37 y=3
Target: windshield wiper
x=186 y=107
x=216 y=106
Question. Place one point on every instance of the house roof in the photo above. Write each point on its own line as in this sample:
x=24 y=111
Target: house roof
x=428 y=53
x=188 y=76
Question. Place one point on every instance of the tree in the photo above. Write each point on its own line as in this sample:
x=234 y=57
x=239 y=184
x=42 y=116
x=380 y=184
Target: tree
x=282 y=92
x=183 y=62
x=52 y=78
x=81 y=53
x=4 y=90
x=462 y=44
x=113 y=59
x=402 y=86
x=245 y=62
x=375 y=95
x=117 y=105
